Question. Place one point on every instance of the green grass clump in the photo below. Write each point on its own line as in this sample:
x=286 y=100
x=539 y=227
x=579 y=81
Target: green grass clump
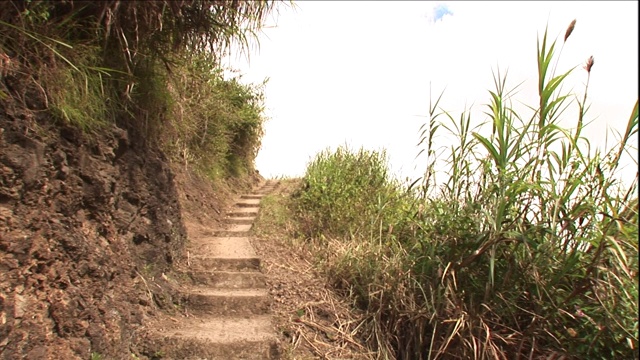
x=527 y=249
x=216 y=122
x=346 y=193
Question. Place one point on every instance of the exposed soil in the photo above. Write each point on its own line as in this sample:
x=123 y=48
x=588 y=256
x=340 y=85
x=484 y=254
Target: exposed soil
x=88 y=228
x=93 y=229
x=313 y=322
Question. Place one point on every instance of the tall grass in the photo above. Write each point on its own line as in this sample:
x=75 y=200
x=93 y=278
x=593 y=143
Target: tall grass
x=139 y=65
x=216 y=123
x=346 y=193
x=527 y=250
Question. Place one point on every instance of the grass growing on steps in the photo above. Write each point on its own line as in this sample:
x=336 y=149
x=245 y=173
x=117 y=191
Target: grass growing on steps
x=275 y=218
x=529 y=248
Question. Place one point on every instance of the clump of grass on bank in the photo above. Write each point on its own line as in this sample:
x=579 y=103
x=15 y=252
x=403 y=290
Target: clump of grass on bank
x=347 y=193
x=216 y=123
x=528 y=249
x=150 y=67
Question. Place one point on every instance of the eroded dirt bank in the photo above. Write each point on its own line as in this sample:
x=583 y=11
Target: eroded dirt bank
x=88 y=226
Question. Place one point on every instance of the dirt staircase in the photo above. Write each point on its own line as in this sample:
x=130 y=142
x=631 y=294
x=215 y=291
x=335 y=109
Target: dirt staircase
x=227 y=301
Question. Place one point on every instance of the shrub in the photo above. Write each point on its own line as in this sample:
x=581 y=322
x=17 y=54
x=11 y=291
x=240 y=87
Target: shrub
x=345 y=193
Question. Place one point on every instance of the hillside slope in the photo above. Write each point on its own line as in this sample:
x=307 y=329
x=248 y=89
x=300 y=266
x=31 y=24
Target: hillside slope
x=88 y=227
x=99 y=102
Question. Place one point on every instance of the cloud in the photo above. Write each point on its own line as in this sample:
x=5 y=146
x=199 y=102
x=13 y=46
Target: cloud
x=440 y=11
x=364 y=87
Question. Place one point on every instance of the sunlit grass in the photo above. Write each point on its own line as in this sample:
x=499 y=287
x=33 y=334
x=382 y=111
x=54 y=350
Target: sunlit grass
x=528 y=248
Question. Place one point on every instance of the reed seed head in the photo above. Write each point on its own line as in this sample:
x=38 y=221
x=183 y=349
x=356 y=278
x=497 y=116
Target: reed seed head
x=569 y=30
x=589 y=64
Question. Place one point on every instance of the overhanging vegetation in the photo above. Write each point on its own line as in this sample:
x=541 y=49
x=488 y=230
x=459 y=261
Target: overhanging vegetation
x=150 y=67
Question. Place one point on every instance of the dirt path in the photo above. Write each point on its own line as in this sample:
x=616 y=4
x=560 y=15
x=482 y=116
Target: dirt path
x=227 y=304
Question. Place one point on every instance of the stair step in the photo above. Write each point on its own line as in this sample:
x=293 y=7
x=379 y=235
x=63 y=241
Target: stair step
x=239 y=227
x=214 y=338
x=252 y=196
x=207 y=263
x=223 y=246
x=226 y=302
x=248 y=203
x=229 y=279
x=240 y=220
x=268 y=188
x=243 y=212
x=230 y=233
x=233 y=230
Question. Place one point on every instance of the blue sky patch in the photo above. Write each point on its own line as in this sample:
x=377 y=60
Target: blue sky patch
x=440 y=11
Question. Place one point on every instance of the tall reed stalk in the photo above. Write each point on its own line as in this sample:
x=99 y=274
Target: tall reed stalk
x=527 y=250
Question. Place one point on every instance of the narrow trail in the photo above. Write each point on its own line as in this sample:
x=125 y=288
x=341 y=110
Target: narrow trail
x=227 y=311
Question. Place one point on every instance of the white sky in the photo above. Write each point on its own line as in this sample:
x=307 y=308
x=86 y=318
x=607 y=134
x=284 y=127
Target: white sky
x=359 y=72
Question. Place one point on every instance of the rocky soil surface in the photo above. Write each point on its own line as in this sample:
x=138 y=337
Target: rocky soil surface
x=96 y=233
x=90 y=230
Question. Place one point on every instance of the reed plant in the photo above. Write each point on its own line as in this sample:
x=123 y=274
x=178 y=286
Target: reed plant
x=527 y=249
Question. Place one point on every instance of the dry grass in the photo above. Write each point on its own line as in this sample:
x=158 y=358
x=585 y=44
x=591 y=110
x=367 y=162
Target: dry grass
x=314 y=322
